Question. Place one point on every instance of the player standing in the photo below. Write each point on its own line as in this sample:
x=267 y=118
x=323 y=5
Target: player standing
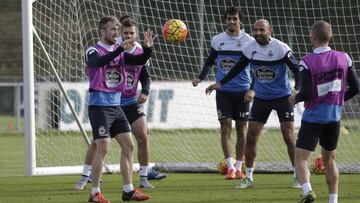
x=269 y=58
x=325 y=76
x=105 y=64
x=232 y=99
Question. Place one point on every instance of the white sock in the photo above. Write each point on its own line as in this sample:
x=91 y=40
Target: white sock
x=143 y=170
x=333 y=198
x=249 y=173
x=294 y=175
x=128 y=188
x=238 y=164
x=95 y=190
x=229 y=163
x=306 y=187
x=86 y=170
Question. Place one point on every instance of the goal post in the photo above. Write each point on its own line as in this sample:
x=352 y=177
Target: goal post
x=184 y=130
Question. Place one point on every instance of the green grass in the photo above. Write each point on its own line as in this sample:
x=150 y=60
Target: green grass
x=178 y=187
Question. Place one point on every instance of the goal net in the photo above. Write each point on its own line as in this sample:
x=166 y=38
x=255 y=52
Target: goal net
x=184 y=130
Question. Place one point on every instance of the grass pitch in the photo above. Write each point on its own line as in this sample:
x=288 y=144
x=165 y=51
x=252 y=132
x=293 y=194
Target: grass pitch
x=178 y=187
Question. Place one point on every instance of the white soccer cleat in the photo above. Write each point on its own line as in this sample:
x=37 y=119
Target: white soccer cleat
x=82 y=183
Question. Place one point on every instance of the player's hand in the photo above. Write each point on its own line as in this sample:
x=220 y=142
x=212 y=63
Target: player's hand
x=149 y=38
x=292 y=100
x=294 y=91
x=249 y=96
x=195 y=82
x=212 y=87
x=127 y=44
x=142 y=98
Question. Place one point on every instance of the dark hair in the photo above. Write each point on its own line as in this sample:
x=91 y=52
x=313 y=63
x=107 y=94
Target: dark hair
x=233 y=11
x=104 y=21
x=123 y=17
x=128 y=22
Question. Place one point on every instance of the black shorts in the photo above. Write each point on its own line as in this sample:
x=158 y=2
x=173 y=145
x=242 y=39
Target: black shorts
x=261 y=109
x=232 y=105
x=133 y=112
x=107 y=121
x=310 y=134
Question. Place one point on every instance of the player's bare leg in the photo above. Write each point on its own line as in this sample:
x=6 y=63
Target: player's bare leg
x=301 y=165
x=89 y=159
x=139 y=129
x=331 y=173
x=102 y=147
x=241 y=129
x=287 y=129
x=252 y=138
x=126 y=165
x=225 y=128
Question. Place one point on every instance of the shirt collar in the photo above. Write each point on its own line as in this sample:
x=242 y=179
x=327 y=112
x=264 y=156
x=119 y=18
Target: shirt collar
x=320 y=50
x=107 y=47
x=241 y=34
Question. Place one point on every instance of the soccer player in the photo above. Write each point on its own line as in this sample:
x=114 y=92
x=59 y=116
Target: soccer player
x=105 y=68
x=232 y=99
x=326 y=73
x=130 y=101
x=270 y=59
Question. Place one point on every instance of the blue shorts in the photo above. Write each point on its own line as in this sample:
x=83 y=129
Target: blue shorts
x=310 y=134
x=133 y=112
x=107 y=121
x=262 y=108
x=232 y=105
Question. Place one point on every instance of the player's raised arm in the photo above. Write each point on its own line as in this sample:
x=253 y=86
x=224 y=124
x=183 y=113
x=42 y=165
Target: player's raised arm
x=141 y=59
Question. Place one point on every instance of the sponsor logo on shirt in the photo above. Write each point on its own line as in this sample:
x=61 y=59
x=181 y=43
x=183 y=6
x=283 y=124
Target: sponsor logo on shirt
x=226 y=64
x=112 y=78
x=265 y=75
x=130 y=81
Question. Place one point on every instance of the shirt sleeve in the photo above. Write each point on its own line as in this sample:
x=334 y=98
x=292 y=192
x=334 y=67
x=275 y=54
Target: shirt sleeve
x=145 y=80
x=94 y=60
x=139 y=59
x=293 y=65
x=353 y=83
x=306 y=83
x=210 y=60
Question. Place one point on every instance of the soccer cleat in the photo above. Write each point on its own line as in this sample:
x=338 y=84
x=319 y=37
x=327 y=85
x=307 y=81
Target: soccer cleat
x=82 y=183
x=239 y=174
x=135 y=195
x=308 y=197
x=98 y=197
x=245 y=183
x=146 y=184
x=231 y=174
x=295 y=183
x=154 y=175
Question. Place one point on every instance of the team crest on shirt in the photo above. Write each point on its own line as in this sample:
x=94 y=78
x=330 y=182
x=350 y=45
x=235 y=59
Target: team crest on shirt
x=220 y=45
x=265 y=75
x=112 y=78
x=102 y=131
x=270 y=53
x=226 y=64
x=130 y=81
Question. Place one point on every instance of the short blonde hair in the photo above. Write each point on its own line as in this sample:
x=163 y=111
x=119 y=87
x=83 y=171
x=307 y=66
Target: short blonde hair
x=322 y=31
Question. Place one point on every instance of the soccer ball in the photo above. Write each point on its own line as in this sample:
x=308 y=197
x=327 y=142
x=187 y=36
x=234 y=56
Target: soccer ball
x=222 y=167
x=174 y=31
x=318 y=166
